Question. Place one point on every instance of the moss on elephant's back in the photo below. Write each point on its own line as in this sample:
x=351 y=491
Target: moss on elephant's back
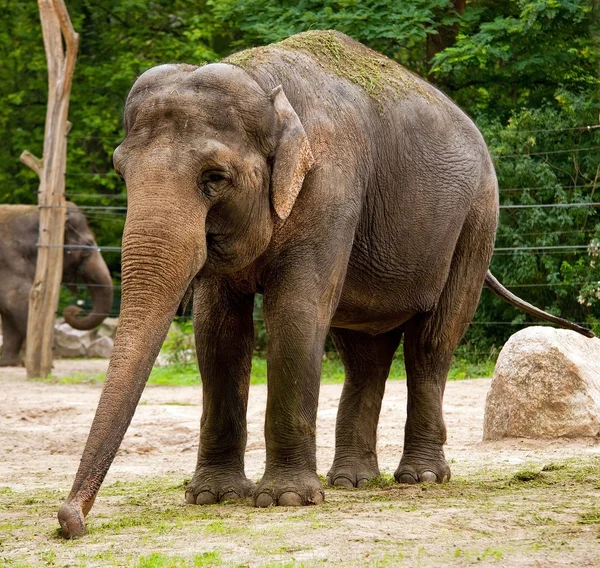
x=343 y=57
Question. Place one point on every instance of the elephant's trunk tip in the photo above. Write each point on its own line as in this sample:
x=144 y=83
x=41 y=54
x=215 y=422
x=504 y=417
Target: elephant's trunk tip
x=76 y=321
x=72 y=523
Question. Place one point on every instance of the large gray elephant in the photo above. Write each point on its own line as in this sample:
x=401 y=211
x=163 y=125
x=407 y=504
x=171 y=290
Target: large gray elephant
x=19 y=227
x=355 y=197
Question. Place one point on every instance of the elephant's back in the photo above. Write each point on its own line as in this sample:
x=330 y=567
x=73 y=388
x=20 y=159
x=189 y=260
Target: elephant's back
x=18 y=238
x=15 y=213
x=343 y=59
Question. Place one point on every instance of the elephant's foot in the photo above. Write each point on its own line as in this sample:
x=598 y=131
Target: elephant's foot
x=419 y=468
x=209 y=486
x=289 y=489
x=352 y=473
x=11 y=362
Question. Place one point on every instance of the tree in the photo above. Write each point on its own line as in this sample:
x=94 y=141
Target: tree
x=527 y=71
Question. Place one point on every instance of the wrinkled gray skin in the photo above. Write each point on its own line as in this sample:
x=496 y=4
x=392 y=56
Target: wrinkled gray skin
x=372 y=217
x=19 y=227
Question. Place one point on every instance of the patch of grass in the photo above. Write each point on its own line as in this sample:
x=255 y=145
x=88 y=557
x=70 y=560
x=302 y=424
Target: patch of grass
x=389 y=559
x=553 y=466
x=74 y=379
x=220 y=527
x=474 y=555
x=528 y=474
x=476 y=518
x=48 y=557
x=6 y=526
x=175 y=376
x=332 y=373
x=159 y=560
x=461 y=370
x=381 y=482
x=590 y=518
x=288 y=564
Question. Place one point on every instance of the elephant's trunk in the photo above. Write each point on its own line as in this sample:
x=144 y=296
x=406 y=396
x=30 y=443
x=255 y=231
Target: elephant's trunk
x=96 y=275
x=164 y=247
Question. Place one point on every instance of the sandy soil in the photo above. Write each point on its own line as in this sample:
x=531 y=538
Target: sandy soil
x=43 y=428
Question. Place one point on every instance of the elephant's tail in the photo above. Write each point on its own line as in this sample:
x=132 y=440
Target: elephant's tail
x=494 y=285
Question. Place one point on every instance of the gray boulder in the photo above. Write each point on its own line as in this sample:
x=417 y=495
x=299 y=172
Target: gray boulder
x=546 y=385
x=70 y=342
x=101 y=347
x=108 y=328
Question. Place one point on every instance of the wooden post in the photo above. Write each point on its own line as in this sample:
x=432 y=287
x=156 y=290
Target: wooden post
x=43 y=299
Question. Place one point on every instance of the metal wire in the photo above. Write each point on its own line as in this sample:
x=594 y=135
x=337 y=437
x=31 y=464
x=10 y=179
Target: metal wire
x=543 y=205
x=569 y=151
x=96 y=195
x=501 y=250
x=551 y=247
x=123 y=210
x=84 y=247
x=509 y=286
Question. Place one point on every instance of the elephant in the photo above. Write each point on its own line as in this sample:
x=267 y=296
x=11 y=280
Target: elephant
x=350 y=193
x=19 y=227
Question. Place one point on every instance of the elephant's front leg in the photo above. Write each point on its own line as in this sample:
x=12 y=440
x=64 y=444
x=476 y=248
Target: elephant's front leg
x=224 y=341
x=14 y=327
x=297 y=320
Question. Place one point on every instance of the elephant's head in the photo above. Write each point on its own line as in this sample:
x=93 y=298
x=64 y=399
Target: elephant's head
x=83 y=262
x=212 y=163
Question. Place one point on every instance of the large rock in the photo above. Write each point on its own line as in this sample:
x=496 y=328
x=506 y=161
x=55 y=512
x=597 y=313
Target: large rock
x=101 y=347
x=108 y=328
x=70 y=342
x=546 y=385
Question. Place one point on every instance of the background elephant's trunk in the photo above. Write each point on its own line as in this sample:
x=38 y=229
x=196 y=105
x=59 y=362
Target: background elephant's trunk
x=96 y=275
x=162 y=251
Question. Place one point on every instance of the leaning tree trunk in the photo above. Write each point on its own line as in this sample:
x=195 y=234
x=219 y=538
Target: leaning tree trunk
x=43 y=299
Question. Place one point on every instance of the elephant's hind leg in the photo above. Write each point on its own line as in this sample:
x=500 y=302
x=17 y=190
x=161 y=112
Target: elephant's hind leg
x=429 y=344
x=367 y=360
x=224 y=341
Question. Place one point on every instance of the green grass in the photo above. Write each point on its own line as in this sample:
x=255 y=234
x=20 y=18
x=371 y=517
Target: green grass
x=158 y=560
x=332 y=372
x=500 y=514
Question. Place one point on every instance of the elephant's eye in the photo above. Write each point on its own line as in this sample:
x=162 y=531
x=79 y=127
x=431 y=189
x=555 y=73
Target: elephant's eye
x=211 y=180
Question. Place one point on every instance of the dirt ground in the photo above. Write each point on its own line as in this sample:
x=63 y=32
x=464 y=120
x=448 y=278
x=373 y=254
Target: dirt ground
x=489 y=514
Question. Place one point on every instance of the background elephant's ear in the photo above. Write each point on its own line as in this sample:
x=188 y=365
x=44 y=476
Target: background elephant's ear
x=293 y=157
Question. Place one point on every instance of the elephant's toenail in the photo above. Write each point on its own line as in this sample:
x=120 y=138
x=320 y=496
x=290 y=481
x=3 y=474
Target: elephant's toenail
x=362 y=482
x=230 y=496
x=428 y=477
x=290 y=499
x=407 y=478
x=318 y=498
x=446 y=478
x=189 y=498
x=343 y=482
x=206 y=498
x=264 y=500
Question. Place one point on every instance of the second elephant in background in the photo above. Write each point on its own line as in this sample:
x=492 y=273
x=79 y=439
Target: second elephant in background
x=19 y=227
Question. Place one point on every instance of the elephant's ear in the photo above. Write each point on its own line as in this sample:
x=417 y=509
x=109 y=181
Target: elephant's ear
x=293 y=157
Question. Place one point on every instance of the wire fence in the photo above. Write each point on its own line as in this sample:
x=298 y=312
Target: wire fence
x=111 y=207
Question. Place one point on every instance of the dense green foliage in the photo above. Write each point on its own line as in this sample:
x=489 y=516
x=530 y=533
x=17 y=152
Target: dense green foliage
x=525 y=70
